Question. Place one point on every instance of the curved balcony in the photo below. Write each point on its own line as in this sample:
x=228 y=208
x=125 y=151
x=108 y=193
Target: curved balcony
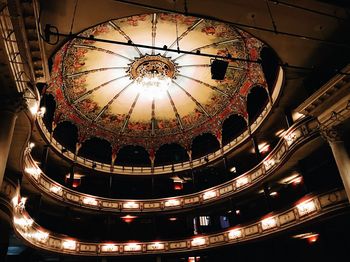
x=304 y=211
x=165 y=169
x=296 y=136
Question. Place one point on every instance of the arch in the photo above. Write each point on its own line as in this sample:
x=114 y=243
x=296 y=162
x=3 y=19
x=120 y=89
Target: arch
x=48 y=101
x=256 y=101
x=232 y=127
x=170 y=153
x=204 y=144
x=270 y=65
x=133 y=156
x=67 y=134
x=97 y=149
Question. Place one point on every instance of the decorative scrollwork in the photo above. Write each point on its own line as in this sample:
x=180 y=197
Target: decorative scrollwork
x=332 y=134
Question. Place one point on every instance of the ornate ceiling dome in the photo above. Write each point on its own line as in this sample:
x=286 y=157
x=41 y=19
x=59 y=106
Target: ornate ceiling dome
x=150 y=97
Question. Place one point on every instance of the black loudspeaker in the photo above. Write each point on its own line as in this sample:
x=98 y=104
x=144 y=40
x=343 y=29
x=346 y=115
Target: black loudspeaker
x=218 y=69
x=47 y=33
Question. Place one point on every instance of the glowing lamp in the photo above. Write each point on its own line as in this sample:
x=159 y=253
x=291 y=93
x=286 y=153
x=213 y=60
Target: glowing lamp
x=109 y=248
x=128 y=218
x=178 y=185
x=69 y=244
x=199 y=241
x=155 y=246
x=306 y=207
x=209 y=195
x=172 y=202
x=234 y=234
x=268 y=223
x=312 y=238
x=131 y=205
x=242 y=181
x=90 y=201
x=132 y=247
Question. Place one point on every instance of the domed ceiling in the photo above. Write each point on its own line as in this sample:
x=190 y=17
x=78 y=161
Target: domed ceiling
x=147 y=97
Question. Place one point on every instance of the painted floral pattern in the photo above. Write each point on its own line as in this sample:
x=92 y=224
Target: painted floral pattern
x=69 y=82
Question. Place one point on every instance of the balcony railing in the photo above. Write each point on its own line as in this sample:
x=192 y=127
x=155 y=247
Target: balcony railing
x=164 y=169
x=308 y=209
x=297 y=135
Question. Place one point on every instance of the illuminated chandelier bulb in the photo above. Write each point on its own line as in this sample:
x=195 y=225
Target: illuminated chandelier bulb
x=153 y=85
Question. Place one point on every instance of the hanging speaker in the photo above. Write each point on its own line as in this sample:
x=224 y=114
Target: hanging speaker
x=47 y=32
x=218 y=69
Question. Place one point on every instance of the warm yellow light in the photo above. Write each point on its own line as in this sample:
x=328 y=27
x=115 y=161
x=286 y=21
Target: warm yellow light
x=132 y=247
x=69 y=244
x=273 y=193
x=268 y=223
x=40 y=236
x=23 y=222
x=242 y=181
x=269 y=163
x=209 y=194
x=34 y=109
x=264 y=147
x=41 y=111
x=109 y=248
x=306 y=207
x=172 y=202
x=155 y=246
x=131 y=205
x=235 y=233
x=280 y=133
x=56 y=189
x=233 y=169
x=90 y=201
x=33 y=171
x=153 y=86
x=199 y=241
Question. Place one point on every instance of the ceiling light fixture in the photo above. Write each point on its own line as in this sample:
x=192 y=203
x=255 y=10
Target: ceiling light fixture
x=153 y=85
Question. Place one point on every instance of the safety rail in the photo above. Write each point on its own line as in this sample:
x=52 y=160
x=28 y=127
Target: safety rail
x=307 y=209
x=297 y=135
x=165 y=169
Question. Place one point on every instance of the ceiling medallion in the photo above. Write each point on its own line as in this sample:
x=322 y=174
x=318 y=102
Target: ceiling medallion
x=153 y=75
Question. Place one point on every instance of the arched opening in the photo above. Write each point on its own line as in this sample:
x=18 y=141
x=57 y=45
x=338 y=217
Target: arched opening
x=256 y=101
x=96 y=149
x=270 y=64
x=204 y=144
x=67 y=135
x=170 y=153
x=232 y=128
x=133 y=156
x=48 y=101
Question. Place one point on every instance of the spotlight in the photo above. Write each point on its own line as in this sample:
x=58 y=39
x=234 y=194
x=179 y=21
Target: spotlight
x=218 y=69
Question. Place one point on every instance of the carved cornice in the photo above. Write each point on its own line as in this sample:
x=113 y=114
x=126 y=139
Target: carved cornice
x=305 y=211
x=331 y=135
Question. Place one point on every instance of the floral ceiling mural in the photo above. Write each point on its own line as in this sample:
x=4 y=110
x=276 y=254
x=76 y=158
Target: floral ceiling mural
x=143 y=96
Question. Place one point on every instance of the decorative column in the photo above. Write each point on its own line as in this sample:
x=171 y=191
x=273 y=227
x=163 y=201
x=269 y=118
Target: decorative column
x=9 y=109
x=341 y=156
